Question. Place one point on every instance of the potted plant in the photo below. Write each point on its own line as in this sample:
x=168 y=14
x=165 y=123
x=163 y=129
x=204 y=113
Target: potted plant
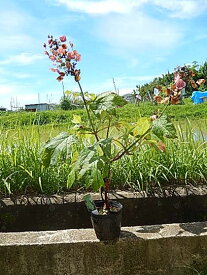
x=96 y=143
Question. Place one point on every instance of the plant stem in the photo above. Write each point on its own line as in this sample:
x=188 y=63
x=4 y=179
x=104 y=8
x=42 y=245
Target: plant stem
x=164 y=109
x=106 y=191
x=108 y=128
x=122 y=153
x=88 y=112
x=107 y=180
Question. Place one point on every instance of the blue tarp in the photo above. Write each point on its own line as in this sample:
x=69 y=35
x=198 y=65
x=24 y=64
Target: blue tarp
x=197 y=97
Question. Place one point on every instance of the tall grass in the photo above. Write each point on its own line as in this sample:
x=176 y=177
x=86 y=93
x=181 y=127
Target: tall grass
x=129 y=112
x=183 y=162
x=22 y=171
x=15 y=119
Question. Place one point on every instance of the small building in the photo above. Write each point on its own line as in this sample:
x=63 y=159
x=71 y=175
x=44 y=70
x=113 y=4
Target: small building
x=2 y=109
x=129 y=97
x=37 y=107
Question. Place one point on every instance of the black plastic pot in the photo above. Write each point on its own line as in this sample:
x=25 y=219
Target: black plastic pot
x=107 y=227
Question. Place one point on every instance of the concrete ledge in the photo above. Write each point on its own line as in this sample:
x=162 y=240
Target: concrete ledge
x=170 y=191
x=174 y=205
x=157 y=249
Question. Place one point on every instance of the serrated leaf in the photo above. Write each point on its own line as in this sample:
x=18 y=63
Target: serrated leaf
x=51 y=150
x=91 y=165
x=143 y=124
x=76 y=119
x=107 y=102
x=162 y=128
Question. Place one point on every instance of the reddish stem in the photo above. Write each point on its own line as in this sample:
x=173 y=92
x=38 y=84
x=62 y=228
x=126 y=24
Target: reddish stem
x=106 y=191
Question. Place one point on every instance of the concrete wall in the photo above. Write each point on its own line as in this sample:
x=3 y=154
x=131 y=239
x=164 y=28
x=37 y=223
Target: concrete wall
x=158 y=249
x=69 y=212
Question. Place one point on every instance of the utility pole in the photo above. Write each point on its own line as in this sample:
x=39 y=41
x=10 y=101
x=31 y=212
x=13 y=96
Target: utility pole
x=116 y=91
x=63 y=90
x=11 y=105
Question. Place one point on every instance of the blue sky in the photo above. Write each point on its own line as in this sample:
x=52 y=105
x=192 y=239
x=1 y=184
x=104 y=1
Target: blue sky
x=130 y=40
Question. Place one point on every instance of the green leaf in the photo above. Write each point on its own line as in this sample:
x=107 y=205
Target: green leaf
x=71 y=178
x=162 y=128
x=76 y=119
x=97 y=179
x=107 y=102
x=106 y=146
x=91 y=165
x=92 y=96
x=74 y=157
x=51 y=150
x=67 y=92
x=143 y=124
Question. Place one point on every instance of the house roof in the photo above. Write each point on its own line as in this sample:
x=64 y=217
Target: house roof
x=37 y=104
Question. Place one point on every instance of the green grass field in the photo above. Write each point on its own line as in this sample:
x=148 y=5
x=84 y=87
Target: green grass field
x=22 y=171
x=129 y=112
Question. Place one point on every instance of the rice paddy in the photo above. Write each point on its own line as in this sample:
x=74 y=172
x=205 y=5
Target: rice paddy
x=22 y=170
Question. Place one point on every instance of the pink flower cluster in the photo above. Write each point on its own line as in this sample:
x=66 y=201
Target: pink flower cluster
x=182 y=76
x=179 y=83
x=173 y=92
x=63 y=56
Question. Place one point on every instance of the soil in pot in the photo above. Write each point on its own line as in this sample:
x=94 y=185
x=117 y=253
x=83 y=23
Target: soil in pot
x=107 y=225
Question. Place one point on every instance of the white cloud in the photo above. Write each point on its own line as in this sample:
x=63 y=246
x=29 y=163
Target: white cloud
x=22 y=59
x=140 y=32
x=124 y=84
x=12 y=20
x=5 y=90
x=15 y=42
x=16 y=29
x=182 y=8
x=135 y=79
x=177 y=8
x=18 y=93
x=6 y=75
x=129 y=27
x=101 y=7
x=125 y=90
x=22 y=75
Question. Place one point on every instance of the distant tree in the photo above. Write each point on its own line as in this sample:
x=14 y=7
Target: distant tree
x=65 y=103
x=72 y=100
x=198 y=73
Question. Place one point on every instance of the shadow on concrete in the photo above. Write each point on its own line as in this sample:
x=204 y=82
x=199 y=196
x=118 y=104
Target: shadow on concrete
x=150 y=229
x=127 y=234
x=2 y=204
x=195 y=228
x=123 y=235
